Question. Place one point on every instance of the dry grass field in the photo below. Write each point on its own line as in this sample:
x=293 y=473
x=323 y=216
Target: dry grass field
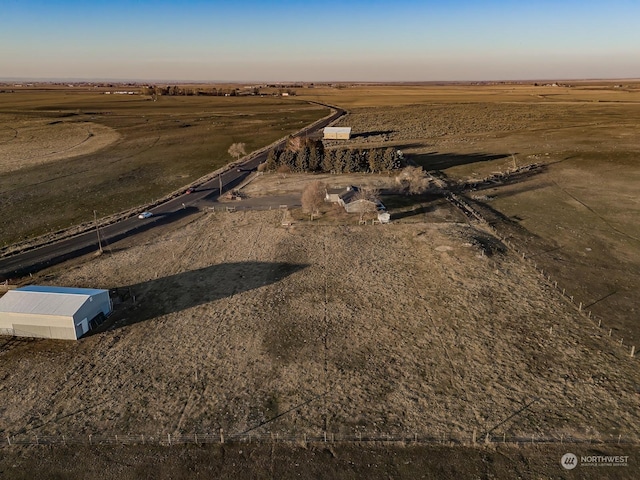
x=67 y=152
x=577 y=217
x=429 y=326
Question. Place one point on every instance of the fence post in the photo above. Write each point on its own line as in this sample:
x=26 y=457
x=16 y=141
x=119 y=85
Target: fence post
x=169 y=438
x=473 y=439
x=9 y=439
x=633 y=351
x=325 y=436
x=222 y=435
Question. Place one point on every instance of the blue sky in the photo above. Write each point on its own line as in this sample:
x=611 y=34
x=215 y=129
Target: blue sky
x=376 y=40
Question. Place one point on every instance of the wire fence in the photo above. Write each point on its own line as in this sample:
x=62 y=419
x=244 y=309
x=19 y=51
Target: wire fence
x=326 y=437
x=473 y=213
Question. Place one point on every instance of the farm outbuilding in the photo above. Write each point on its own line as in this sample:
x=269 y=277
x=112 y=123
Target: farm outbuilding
x=340 y=196
x=337 y=133
x=53 y=312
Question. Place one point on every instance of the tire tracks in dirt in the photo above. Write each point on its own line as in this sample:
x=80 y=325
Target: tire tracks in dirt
x=15 y=135
x=600 y=217
x=189 y=257
x=325 y=346
x=437 y=335
x=197 y=245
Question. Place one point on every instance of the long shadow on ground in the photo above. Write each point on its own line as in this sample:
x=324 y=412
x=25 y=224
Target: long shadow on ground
x=372 y=133
x=441 y=161
x=182 y=291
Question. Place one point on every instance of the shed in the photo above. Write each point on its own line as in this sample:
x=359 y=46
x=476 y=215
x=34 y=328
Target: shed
x=337 y=133
x=53 y=312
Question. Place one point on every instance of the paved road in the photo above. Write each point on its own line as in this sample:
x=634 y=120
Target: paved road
x=37 y=259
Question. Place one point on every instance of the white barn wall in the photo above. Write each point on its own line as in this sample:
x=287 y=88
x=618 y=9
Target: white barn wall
x=59 y=313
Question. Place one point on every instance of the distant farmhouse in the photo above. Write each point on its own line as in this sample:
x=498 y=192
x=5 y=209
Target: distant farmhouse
x=341 y=196
x=337 y=133
x=348 y=199
x=53 y=312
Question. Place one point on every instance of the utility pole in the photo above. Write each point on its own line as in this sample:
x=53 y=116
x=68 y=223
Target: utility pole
x=95 y=217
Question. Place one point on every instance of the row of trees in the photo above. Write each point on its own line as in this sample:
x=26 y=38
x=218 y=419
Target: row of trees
x=175 y=91
x=310 y=156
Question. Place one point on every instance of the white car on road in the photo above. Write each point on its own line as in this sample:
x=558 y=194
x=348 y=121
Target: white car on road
x=145 y=215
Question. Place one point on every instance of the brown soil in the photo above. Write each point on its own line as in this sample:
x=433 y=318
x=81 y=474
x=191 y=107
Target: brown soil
x=330 y=461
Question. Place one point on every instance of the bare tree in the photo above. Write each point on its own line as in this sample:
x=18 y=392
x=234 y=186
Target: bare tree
x=412 y=181
x=237 y=150
x=313 y=198
x=370 y=197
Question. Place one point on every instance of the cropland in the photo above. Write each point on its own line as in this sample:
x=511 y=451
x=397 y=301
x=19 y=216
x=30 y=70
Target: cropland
x=513 y=325
x=576 y=216
x=67 y=152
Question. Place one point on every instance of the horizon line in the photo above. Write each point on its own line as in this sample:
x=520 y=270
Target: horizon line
x=288 y=82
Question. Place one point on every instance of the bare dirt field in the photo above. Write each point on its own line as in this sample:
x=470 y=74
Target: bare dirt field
x=283 y=461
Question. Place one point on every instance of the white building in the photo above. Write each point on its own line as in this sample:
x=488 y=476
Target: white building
x=337 y=133
x=53 y=312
